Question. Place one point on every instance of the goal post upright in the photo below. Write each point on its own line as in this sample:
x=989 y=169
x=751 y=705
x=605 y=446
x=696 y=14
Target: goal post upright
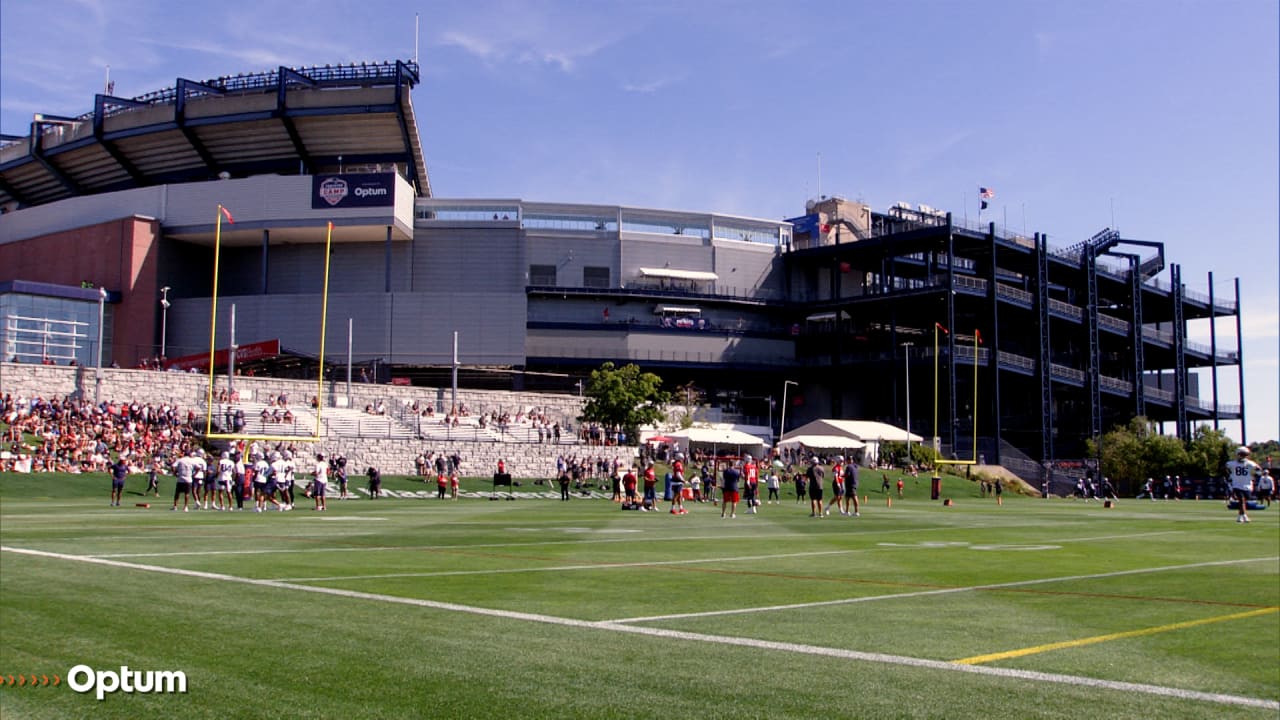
x=316 y=435
x=213 y=319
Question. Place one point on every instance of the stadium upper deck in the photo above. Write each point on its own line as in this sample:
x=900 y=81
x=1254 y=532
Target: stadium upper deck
x=291 y=121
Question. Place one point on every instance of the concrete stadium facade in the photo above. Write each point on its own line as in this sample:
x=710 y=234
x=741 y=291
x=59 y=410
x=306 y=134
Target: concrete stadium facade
x=843 y=300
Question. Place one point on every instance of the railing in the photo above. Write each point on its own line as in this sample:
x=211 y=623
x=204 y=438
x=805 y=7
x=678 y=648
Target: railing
x=469 y=212
x=1020 y=361
x=1013 y=293
x=1113 y=323
x=975 y=286
x=260 y=81
x=364 y=72
x=1207 y=405
x=1116 y=385
x=1065 y=373
x=965 y=353
x=1226 y=305
x=1155 y=393
x=1164 y=337
x=676 y=356
x=1066 y=309
x=641 y=288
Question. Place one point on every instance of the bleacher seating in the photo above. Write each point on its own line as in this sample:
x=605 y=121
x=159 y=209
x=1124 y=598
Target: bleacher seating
x=304 y=421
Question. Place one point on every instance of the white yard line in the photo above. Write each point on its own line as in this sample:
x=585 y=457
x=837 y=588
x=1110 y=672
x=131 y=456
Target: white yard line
x=1003 y=673
x=941 y=591
x=565 y=568
x=537 y=543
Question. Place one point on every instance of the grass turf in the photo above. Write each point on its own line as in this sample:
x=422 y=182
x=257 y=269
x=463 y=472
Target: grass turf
x=1173 y=596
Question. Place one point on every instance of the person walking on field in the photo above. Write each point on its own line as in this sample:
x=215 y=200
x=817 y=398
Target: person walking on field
x=119 y=471
x=775 y=484
x=815 y=477
x=677 y=486
x=729 y=490
x=751 y=483
x=1242 y=471
x=153 y=481
x=851 y=488
x=320 y=482
x=1266 y=487
x=837 y=487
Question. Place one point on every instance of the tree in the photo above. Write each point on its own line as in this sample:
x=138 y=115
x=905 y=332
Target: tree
x=1123 y=455
x=1208 y=453
x=1265 y=452
x=690 y=398
x=1134 y=452
x=623 y=399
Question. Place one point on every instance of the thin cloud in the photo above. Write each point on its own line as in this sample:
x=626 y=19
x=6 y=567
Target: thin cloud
x=527 y=36
x=648 y=87
x=256 y=58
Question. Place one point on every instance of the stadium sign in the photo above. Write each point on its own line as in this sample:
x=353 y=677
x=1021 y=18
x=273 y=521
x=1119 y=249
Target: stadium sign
x=352 y=190
x=244 y=353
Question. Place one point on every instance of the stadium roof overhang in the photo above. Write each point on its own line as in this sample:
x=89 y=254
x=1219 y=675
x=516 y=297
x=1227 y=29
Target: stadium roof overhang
x=241 y=234
x=287 y=122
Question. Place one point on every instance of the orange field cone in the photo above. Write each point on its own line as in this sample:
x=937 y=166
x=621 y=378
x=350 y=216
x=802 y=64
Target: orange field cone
x=888 y=502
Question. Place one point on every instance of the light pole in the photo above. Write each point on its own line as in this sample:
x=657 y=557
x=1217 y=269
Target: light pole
x=782 y=423
x=97 y=374
x=906 y=370
x=164 y=318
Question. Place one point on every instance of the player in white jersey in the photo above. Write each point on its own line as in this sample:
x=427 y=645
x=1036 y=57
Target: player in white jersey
x=285 y=479
x=183 y=471
x=264 y=487
x=202 y=478
x=226 y=473
x=1241 y=473
x=321 y=481
x=197 y=480
x=280 y=472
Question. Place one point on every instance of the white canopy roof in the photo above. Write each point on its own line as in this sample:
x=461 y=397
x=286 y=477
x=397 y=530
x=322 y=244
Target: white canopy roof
x=678 y=274
x=864 y=430
x=823 y=442
x=717 y=436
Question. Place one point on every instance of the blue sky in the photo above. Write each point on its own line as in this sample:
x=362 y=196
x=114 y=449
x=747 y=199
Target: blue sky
x=1158 y=115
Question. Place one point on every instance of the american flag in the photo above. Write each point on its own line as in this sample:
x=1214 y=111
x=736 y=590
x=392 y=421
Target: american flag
x=985 y=192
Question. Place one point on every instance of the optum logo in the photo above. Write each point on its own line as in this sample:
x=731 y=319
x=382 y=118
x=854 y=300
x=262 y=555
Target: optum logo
x=83 y=679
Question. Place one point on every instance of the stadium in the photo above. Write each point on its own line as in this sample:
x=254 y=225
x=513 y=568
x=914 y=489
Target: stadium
x=281 y=226
x=847 y=303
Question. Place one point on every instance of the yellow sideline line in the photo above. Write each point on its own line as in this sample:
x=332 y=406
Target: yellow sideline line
x=979 y=659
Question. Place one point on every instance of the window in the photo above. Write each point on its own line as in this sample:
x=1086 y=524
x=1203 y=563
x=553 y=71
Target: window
x=595 y=277
x=543 y=275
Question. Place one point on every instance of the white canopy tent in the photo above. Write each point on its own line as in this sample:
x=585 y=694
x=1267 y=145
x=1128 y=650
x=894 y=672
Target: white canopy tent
x=823 y=442
x=868 y=432
x=718 y=439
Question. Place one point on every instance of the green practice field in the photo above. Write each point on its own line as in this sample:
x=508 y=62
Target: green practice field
x=419 y=608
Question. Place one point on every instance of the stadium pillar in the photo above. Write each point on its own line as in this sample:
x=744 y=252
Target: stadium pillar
x=266 y=243
x=387 y=253
x=97 y=372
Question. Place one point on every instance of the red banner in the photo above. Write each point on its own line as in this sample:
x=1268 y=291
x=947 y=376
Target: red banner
x=244 y=353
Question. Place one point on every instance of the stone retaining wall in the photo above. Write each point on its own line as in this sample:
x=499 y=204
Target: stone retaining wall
x=189 y=390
